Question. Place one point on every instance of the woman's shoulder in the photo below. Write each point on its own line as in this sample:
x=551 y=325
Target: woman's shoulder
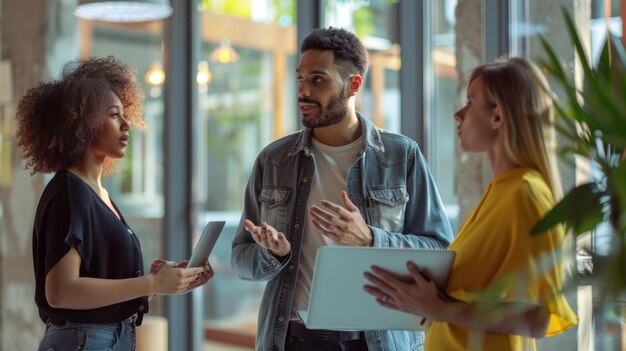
x=69 y=188
x=523 y=187
x=529 y=195
x=522 y=182
x=534 y=188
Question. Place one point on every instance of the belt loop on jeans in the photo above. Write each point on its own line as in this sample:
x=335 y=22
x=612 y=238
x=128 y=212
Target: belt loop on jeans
x=57 y=322
x=299 y=330
x=132 y=319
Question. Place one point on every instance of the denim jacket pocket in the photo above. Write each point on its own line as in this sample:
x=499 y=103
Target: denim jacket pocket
x=274 y=203
x=387 y=206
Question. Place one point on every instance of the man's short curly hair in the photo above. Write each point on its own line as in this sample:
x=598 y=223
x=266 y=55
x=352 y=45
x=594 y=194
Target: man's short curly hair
x=350 y=53
x=57 y=121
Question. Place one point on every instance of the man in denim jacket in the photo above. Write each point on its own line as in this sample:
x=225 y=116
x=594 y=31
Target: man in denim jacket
x=339 y=181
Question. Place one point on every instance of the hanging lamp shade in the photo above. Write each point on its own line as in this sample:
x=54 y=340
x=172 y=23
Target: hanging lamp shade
x=123 y=11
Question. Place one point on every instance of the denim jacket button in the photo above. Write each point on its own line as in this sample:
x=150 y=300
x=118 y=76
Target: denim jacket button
x=281 y=318
x=291 y=267
x=305 y=179
x=297 y=226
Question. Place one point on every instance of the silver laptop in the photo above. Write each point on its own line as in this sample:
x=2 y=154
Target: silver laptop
x=338 y=301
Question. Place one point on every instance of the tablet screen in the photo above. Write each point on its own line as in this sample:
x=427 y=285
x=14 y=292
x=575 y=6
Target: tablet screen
x=206 y=243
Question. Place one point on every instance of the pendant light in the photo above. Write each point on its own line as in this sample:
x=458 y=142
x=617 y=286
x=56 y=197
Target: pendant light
x=123 y=11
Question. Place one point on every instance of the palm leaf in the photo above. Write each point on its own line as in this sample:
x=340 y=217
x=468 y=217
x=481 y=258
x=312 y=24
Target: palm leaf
x=619 y=183
x=580 y=208
x=600 y=90
x=592 y=124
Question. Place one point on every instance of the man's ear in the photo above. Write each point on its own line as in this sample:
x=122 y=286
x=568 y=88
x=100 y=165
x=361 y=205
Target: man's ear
x=355 y=82
x=497 y=120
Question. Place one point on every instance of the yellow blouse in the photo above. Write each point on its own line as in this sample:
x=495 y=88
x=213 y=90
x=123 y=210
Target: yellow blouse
x=497 y=257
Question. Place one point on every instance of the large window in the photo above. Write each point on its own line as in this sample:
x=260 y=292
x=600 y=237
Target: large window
x=374 y=22
x=137 y=186
x=442 y=101
x=246 y=99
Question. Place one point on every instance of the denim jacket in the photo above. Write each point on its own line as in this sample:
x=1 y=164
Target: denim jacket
x=389 y=182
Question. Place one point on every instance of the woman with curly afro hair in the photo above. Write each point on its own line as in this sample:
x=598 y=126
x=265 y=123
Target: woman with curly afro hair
x=91 y=290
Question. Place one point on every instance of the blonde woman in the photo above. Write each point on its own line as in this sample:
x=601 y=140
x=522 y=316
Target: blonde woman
x=506 y=283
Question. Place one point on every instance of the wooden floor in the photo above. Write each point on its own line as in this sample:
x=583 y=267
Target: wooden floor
x=218 y=346
x=234 y=338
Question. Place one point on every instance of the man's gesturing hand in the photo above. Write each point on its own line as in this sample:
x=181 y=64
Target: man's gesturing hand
x=344 y=225
x=268 y=237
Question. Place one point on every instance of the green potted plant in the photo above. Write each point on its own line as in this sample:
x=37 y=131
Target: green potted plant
x=592 y=122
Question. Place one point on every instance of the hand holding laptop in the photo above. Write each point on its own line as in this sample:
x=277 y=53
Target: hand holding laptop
x=338 y=300
x=417 y=295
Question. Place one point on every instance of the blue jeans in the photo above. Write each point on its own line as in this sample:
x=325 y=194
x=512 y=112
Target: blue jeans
x=87 y=337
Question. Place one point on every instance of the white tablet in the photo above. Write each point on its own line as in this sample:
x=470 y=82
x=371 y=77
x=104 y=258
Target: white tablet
x=338 y=301
x=206 y=243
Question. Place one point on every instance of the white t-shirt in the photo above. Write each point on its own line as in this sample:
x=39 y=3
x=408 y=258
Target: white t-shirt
x=331 y=168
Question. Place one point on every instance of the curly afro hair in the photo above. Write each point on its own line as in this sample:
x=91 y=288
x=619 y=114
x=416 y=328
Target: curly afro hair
x=57 y=121
x=350 y=53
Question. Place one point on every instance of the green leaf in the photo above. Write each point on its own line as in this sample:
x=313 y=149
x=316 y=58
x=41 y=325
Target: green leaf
x=604 y=64
x=619 y=183
x=553 y=65
x=615 y=277
x=579 y=209
x=604 y=105
x=601 y=90
x=616 y=138
x=592 y=124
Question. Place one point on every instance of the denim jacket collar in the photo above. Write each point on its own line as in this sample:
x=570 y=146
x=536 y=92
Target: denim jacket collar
x=371 y=138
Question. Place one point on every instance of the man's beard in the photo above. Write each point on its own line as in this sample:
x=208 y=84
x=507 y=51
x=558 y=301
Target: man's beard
x=335 y=112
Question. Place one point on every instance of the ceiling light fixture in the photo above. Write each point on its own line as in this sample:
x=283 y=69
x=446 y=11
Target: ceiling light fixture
x=123 y=11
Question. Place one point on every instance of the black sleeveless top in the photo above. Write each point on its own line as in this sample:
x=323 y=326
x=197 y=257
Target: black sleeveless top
x=70 y=212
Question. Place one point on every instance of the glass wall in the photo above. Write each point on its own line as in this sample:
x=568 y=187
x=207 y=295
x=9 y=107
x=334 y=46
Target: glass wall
x=374 y=22
x=442 y=101
x=137 y=186
x=247 y=98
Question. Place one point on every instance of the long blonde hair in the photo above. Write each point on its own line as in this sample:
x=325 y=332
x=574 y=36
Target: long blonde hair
x=523 y=92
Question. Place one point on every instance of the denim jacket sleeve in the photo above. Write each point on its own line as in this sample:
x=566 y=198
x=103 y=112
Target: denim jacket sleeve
x=426 y=224
x=250 y=260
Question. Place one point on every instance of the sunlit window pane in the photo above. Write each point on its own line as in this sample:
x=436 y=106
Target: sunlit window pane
x=442 y=101
x=137 y=186
x=373 y=21
x=246 y=99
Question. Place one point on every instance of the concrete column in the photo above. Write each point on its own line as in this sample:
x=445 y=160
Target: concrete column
x=37 y=36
